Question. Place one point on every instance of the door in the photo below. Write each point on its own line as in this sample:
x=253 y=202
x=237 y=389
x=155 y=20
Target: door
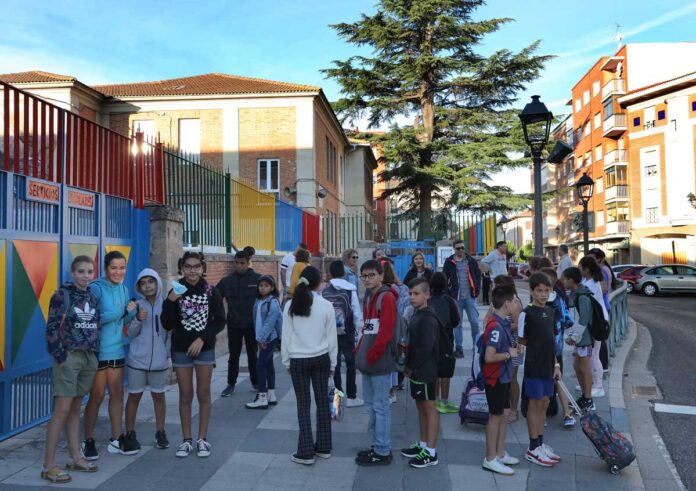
x=665 y=278
x=687 y=277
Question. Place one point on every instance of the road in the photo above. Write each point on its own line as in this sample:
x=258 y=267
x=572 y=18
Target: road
x=671 y=321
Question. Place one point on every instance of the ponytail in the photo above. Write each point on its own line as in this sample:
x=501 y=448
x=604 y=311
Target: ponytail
x=302 y=297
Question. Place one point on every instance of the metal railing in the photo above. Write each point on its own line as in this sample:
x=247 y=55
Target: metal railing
x=615 y=123
x=619 y=191
x=618 y=317
x=614 y=86
x=615 y=157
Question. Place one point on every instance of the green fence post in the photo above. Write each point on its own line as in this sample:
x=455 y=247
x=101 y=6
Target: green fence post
x=228 y=213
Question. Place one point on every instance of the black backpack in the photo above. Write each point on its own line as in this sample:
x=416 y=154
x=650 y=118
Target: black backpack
x=599 y=326
x=340 y=299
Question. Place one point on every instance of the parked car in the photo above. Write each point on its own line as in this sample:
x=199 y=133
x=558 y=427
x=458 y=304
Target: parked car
x=513 y=269
x=666 y=278
x=629 y=275
x=620 y=268
x=523 y=270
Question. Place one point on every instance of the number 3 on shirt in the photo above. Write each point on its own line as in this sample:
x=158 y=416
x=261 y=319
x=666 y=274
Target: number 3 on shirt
x=494 y=336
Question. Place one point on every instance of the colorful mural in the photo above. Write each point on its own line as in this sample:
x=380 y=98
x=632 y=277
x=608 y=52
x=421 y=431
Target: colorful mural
x=3 y=299
x=89 y=250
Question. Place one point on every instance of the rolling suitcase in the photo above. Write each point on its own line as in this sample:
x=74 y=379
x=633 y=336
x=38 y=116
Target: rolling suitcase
x=611 y=446
x=474 y=407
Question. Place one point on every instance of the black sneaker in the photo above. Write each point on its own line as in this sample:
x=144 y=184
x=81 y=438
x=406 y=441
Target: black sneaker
x=128 y=443
x=228 y=391
x=373 y=458
x=362 y=453
x=411 y=451
x=459 y=353
x=423 y=459
x=161 y=439
x=89 y=449
x=132 y=440
x=585 y=405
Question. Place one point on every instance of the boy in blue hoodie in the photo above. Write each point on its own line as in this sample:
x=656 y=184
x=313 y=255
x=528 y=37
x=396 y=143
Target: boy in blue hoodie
x=148 y=357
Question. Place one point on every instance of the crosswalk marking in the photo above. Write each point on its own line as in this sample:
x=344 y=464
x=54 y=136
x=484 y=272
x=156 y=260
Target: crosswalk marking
x=675 y=409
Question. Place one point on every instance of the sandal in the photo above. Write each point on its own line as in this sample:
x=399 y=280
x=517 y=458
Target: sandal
x=77 y=466
x=56 y=475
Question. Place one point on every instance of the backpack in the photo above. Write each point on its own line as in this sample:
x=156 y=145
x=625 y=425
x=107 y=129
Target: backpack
x=279 y=323
x=480 y=356
x=599 y=326
x=341 y=300
x=399 y=341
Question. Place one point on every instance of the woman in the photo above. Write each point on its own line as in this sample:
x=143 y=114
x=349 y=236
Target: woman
x=608 y=285
x=194 y=317
x=309 y=352
x=350 y=263
x=301 y=262
x=115 y=311
x=391 y=279
x=418 y=269
x=592 y=276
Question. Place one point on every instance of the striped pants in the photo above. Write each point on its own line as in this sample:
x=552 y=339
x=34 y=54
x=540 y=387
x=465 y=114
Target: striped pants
x=315 y=371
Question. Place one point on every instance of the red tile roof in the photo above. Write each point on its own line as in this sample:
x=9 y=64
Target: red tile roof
x=35 y=76
x=208 y=84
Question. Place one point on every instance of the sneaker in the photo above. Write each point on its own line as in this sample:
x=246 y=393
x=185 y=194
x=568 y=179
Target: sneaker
x=363 y=453
x=599 y=392
x=302 y=459
x=355 y=402
x=578 y=388
x=423 y=459
x=508 y=459
x=114 y=445
x=184 y=449
x=261 y=402
x=89 y=449
x=202 y=448
x=441 y=408
x=459 y=353
x=131 y=442
x=392 y=398
x=123 y=446
x=411 y=451
x=373 y=458
x=229 y=390
x=585 y=405
x=452 y=408
x=538 y=457
x=568 y=421
x=550 y=453
x=161 y=439
x=322 y=454
x=272 y=399
x=497 y=466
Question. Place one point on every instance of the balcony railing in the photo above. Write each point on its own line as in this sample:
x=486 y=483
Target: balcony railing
x=616 y=192
x=615 y=157
x=618 y=227
x=613 y=87
x=614 y=125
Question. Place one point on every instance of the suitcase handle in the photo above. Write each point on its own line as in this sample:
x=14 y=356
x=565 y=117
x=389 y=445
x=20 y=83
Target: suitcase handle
x=571 y=399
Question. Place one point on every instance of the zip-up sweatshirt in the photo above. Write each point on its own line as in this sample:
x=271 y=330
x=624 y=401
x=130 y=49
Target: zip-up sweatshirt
x=113 y=299
x=268 y=319
x=73 y=322
x=422 y=356
x=372 y=353
x=148 y=346
x=450 y=271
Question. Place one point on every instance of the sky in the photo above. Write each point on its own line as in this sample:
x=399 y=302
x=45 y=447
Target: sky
x=291 y=40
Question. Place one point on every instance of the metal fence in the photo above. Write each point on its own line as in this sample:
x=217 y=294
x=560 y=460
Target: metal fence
x=343 y=232
x=288 y=227
x=618 y=317
x=252 y=217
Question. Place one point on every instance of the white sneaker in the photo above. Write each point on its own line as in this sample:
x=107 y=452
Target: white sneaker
x=202 y=448
x=550 y=453
x=599 y=392
x=392 y=398
x=357 y=402
x=578 y=388
x=272 y=399
x=261 y=402
x=508 y=459
x=539 y=457
x=497 y=466
x=184 y=449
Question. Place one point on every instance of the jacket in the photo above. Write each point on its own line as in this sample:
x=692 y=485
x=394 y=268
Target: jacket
x=341 y=284
x=73 y=322
x=422 y=355
x=351 y=277
x=372 y=354
x=450 y=271
x=580 y=300
x=447 y=311
x=198 y=313
x=240 y=291
x=149 y=340
x=307 y=337
x=113 y=299
x=413 y=274
x=268 y=319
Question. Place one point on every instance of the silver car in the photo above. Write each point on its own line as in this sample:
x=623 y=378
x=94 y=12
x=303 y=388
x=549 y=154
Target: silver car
x=666 y=278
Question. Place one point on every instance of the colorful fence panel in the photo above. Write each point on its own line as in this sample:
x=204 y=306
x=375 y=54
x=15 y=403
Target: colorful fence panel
x=288 y=227
x=311 y=231
x=252 y=216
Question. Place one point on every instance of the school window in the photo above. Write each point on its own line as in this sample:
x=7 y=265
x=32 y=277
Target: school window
x=595 y=88
x=190 y=137
x=331 y=161
x=268 y=175
x=598 y=152
x=586 y=97
x=661 y=115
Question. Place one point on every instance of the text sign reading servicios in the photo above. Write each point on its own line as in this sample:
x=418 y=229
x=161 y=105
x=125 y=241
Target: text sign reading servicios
x=45 y=192
x=80 y=199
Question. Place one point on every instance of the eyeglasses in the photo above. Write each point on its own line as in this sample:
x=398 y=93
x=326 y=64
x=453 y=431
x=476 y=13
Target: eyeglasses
x=192 y=267
x=459 y=248
x=367 y=276
x=354 y=257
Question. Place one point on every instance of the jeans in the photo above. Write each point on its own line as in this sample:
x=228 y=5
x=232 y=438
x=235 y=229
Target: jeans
x=468 y=305
x=235 y=337
x=345 y=347
x=265 y=371
x=376 y=395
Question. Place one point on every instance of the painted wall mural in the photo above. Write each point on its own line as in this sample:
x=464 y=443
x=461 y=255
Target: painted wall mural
x=3 y=300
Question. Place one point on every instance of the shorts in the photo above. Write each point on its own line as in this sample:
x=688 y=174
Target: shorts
x=74 y=377
x=103 y=364
x=538 y=388
x=423 y=391
x=139 y=379
x=583 y=351
x=498 y=397
x=181 y=360
x=446 y=368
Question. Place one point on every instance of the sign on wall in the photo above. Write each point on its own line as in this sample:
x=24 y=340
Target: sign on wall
x=43 y=191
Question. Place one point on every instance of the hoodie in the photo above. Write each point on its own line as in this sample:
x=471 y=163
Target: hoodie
x=342 y=284
x=580 y=299
x=73 y=322
x=113 y=299
x=149 y=340
x=372 y=355
x=240 y=291
x=422 y=354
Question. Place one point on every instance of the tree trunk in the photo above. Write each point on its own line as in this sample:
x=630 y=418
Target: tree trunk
x=425 y=216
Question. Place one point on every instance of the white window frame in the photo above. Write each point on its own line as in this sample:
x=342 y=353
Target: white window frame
x=598 y=121
x=596 y=87
x=586 y=97
x=600 y=218
x=268 y=162
x=187 y=136
x=598 y=153
x=578 y=105
x=599 y=185
x=586 y=129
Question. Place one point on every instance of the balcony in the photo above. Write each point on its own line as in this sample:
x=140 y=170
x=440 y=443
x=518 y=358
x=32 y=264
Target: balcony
x=615 y=86
x=614 y=125
x=617 y=228
x=616 y=193
x=615 y=157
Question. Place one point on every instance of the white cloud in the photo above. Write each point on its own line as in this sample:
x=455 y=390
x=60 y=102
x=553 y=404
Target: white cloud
x=519 y=180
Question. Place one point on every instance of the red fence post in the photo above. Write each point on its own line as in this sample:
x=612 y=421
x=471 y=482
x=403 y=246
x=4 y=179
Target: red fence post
x=139 y=178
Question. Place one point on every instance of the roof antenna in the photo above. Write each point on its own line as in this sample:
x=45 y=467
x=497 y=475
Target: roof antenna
x=619 y=35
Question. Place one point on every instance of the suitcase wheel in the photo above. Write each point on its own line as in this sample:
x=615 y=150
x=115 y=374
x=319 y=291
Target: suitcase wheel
x=614 y=469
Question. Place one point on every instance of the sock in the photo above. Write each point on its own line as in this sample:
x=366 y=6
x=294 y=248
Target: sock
x=533 y=443
x=541 y=439
x=422 y=444
x=431 y=451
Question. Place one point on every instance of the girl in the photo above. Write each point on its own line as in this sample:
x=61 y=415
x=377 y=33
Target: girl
x=309 y=351
x=267 y=322
x=115 y=311
x=301 y=262
x=608 y=286
x=418 y=269
x=194 y=317
x=391 y=279
x=72 y=333
x=592 y=278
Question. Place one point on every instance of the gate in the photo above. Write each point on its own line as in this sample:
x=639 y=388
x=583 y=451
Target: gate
x=401 y=253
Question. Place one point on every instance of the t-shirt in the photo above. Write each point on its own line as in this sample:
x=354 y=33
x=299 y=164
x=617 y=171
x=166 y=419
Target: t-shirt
x=497 y=263
x=536 y=327
x=287 y=263
x=463 y=278
x=498 y=334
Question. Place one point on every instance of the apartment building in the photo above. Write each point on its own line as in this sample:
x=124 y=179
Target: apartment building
x=661 y=120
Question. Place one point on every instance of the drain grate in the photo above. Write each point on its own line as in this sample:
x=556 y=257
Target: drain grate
x=645 y=391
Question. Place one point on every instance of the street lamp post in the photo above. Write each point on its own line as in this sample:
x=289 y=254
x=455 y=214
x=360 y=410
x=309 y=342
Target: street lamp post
x=585 y=186
x=536 y=125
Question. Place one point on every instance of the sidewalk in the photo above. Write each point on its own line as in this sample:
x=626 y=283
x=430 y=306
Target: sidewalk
x=251 y=450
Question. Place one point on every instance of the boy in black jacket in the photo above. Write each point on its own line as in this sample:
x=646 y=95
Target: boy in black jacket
x=421 y=368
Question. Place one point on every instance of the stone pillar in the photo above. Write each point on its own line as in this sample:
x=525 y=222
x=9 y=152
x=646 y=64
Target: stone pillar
x=166 y=241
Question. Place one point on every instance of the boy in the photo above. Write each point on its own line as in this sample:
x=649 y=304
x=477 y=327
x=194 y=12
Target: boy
x=374 y=359
x=497 y=370
x=148 y=357
x=579 y=336
x=421 y=368
x=536 y=331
